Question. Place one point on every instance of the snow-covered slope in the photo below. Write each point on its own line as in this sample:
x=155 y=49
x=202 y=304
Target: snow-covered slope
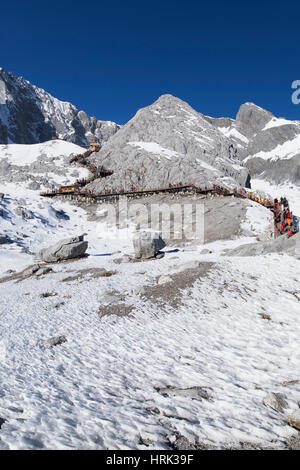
x=273 y=150
x=27 y=219
x=145 y=363
x=40 y=166
x=30 y=115
x=218 y=331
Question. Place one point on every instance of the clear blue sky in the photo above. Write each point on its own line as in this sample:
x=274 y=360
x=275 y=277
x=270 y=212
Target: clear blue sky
x=111 y=58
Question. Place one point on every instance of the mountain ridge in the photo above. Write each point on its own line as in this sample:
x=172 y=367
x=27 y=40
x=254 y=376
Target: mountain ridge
x=30 y=115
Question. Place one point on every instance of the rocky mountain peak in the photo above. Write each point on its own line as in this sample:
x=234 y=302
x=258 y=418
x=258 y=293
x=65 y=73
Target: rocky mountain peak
x=29 y=115
x=251 y=119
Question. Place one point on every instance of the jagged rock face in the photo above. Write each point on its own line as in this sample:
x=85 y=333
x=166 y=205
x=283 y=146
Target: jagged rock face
x=169 y=142
x=279 y=245
x=30 y=115
x=251 y=119
x=268 y=146
x=274 y=152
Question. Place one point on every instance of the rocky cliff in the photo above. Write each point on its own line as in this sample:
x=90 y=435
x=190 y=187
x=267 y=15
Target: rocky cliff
x=30 y=115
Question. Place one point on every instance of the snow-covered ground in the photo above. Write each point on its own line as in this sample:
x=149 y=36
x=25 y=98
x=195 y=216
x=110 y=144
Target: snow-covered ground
x=156 y=149
x=284 y=151
x=27 y=154
x=97 y=390
x=231 y=324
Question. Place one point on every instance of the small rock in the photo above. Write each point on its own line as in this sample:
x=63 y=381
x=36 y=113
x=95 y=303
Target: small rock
x=145 y=441
x=195 y=393
x=31 y=270
x=154 y=410
x=10 y=271
x=182 y=443
x=294 y=420
x=276 y=401
x=2 y=421
x=43 y=271
x=265 y=316
x=294 y=443
x=291 y=382
x=49 y=343
x=5 y=239
x=123 y=259
x=205 y=252
x=164 y=280
x=1 y=196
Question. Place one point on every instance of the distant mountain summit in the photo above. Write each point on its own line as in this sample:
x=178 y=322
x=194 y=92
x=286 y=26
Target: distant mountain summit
x=165 y=143
x=169 y=142
x=30 y=115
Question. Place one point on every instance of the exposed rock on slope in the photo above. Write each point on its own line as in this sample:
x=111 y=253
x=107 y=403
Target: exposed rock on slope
x=170 y=142
x=30 y=115
x=273 y=151
x=269 y=146
x=282 y=244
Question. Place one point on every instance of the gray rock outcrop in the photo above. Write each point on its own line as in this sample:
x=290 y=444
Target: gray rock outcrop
x=170 y=143
x=5 y=239
x=73 y=247
x=276 y=401
x=281 y=244
x=30 y=115
x=268 y=146
x=147 y=244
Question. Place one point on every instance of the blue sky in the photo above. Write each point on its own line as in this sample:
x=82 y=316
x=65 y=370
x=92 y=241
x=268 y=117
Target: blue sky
x=112 y=58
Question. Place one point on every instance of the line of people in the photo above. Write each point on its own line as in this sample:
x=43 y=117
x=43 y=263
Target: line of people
x=284 y=220
x=263 y=201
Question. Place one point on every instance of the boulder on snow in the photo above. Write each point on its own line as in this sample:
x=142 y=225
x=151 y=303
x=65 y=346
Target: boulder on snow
x=1 y=196
x=73 y=247
x=147 y=244
x=5 y=239
x=49 y=343
x=294 y=420
x=163 y=280
x=24 y=213
x=276 y=401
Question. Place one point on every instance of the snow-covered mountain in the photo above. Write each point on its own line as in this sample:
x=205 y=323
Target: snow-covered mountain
x=189 y=351
x=170 y=142
x=269 y=146
x=30 y=115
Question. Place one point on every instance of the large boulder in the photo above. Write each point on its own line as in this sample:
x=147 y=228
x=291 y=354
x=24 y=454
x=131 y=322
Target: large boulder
x=147 y=244
x=73 y=247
